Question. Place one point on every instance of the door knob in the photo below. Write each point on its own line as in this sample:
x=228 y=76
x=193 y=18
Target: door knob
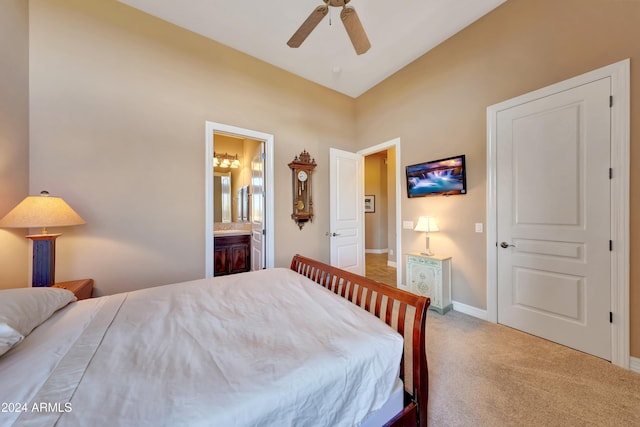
x=506 y=245
x=330 y=234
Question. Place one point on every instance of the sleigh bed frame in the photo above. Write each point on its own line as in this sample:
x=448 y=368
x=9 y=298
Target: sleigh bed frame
x=403 y=311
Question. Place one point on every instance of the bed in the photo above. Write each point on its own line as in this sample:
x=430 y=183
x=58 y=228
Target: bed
x=259 y=348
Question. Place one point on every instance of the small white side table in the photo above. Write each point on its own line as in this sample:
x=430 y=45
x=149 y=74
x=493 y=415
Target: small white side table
x=430 y=276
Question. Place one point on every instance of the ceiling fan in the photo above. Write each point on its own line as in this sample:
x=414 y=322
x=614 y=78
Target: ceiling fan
x=349 y=18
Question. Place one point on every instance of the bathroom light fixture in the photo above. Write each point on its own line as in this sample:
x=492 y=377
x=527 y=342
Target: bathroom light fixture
x=226 y=160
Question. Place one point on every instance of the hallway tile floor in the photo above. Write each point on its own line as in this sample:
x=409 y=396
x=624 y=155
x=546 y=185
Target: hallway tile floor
x=377 y=269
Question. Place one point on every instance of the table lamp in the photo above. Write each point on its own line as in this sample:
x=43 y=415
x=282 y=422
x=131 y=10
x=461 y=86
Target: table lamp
x=42 y=211
x=427 y=224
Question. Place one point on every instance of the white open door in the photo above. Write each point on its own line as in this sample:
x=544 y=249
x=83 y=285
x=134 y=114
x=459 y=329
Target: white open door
x=346 y=189
x=257 y=209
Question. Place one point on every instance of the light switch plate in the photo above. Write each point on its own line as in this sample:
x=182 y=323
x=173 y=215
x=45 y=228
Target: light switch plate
x=407 y=225
x=479 y=227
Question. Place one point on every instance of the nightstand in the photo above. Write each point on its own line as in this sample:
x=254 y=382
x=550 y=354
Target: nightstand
x=81 y=288
x=430 y=276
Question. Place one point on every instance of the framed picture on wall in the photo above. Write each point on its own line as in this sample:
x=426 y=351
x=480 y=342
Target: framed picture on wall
x=369 y=204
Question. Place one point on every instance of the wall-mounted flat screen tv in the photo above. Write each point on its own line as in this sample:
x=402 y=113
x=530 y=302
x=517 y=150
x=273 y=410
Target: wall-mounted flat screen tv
x=438 y=177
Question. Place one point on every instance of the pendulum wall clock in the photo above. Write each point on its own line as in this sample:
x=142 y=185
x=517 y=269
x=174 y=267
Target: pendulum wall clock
x=301 y=170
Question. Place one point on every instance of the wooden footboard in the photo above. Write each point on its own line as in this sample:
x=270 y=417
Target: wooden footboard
x=403 y=311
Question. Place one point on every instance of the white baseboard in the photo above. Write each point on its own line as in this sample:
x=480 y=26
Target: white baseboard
x=376 y=251
x=634 y=364
x=392 y=264
x=470 y=310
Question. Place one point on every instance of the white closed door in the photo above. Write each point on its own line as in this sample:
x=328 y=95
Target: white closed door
x=346 y=218
x=257 y=209
x=553 y=217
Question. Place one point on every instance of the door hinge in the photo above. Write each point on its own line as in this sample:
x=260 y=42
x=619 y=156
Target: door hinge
x=610 y=317
x=610 y=245
x=610 y=173
x=264 y=231
x=264 y=156
x=610 y=101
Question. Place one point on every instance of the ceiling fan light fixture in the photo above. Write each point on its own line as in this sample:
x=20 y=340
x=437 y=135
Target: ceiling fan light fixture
x=349 y=17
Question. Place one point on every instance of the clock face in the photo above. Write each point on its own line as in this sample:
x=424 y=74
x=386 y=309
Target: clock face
x=302 y=176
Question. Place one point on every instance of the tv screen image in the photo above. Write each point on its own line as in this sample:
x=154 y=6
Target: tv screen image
x=443 y=176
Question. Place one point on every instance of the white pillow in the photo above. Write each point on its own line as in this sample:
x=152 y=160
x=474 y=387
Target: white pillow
x=21 y=310
x=8 y=338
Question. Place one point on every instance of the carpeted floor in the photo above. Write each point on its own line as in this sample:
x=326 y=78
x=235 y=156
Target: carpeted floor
x=483 y=374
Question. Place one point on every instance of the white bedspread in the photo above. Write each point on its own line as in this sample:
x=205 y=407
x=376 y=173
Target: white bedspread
x=255 y=349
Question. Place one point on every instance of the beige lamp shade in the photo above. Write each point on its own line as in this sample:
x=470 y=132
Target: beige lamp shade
x=41 y=211
x=426 y=224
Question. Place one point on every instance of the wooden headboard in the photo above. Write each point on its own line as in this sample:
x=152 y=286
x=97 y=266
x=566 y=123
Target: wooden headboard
x=403 y=311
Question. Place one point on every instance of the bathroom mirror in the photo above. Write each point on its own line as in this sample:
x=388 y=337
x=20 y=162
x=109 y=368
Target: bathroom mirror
x=222 y=197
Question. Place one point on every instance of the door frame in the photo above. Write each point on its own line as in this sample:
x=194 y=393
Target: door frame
x=268 y=139
x=393 y=143
x=619 y=73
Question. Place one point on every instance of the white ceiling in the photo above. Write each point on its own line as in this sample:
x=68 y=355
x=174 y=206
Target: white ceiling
x=399 y=30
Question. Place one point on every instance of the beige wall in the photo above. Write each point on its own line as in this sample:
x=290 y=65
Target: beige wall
x=437 y=105
x=119 y=101
x=14 y=136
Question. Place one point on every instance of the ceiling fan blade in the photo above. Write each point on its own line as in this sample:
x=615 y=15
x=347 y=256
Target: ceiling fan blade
x=307 y=26
x=355 y=30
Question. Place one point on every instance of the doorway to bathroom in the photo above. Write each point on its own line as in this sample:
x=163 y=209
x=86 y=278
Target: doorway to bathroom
x=238 y=200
